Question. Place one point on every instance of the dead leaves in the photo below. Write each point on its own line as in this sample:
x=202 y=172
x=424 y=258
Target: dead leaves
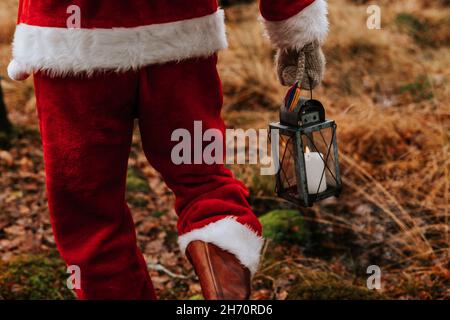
x=6 y=158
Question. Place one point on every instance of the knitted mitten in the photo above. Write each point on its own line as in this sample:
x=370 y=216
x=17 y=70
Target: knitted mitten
x=306 y=65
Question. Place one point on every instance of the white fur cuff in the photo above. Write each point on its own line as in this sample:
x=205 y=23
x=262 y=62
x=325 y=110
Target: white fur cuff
x=308 y=25
x=229 y=235
x=63 y=51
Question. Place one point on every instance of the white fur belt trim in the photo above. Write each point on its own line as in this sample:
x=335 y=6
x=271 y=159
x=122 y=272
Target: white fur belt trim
x=62 y=51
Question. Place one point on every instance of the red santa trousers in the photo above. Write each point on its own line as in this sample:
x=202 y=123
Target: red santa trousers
x=86 y=125
x=93 y=78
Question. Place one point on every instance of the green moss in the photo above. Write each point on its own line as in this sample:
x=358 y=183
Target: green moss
x=419 y=90
x=34 y=277
x=285 y=226
x=158 y=214
x=409 y=21
x=197 y=297
x=425 y=32
x=332 y=290
x=328 y=286
x=136 y=182
x=171 y=238
x=138 y=200
x=414 y=27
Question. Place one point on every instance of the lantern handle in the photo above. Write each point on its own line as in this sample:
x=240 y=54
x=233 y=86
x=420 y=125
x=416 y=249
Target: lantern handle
x=301 y=67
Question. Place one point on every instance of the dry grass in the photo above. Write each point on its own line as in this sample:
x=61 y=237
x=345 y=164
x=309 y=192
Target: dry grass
x=247 y=69
x=7 y=20
x=19 y=96
x=388 y=92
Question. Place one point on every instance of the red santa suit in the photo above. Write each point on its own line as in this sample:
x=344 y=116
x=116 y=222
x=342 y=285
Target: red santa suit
x=154 y=60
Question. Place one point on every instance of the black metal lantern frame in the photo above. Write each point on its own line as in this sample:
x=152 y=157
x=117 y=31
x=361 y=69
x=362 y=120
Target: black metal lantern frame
x=307 y=153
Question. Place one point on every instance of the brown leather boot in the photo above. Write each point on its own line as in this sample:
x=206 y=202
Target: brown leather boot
x=221 y=275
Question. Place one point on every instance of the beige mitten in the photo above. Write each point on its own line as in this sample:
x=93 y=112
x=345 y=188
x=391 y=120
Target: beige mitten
x=307 y=65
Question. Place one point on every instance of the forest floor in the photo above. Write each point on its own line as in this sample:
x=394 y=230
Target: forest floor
x=388 y=92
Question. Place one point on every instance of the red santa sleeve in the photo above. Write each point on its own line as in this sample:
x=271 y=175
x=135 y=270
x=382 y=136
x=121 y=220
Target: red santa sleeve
x=295 y=23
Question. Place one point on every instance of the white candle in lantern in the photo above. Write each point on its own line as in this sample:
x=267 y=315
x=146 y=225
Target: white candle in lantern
x=314 y=169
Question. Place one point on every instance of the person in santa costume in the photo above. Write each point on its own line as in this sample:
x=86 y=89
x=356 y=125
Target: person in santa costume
x=153 y=60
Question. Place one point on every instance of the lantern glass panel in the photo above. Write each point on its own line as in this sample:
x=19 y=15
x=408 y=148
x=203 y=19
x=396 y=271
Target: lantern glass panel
x=309 y=165
x=287 y=175
x=322 y=144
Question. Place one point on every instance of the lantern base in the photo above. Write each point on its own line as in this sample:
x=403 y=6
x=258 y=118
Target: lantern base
x=291 y=195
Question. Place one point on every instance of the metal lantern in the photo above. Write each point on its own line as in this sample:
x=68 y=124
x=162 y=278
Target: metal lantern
x=307 y=153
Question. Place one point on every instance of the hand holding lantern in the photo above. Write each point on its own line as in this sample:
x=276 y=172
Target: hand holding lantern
x=310 y=58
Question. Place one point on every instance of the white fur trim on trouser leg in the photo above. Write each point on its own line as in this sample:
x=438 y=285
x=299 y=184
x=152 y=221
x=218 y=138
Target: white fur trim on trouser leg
x=16 y=71
x=63 y=51
x=231 y=236
x=308 y=25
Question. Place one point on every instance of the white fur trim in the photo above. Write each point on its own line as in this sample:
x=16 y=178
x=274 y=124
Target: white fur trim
x=15 y=71
x=308 y=25
x=61 y=51
x=229 y=235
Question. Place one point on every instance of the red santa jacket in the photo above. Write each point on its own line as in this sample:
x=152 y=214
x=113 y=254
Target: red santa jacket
x=67 y=37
